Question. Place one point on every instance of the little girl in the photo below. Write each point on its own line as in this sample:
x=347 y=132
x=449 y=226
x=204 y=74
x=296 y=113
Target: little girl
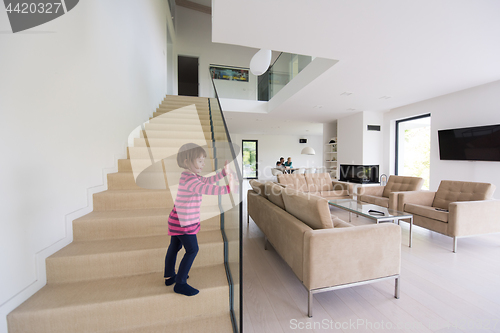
x=184 y=220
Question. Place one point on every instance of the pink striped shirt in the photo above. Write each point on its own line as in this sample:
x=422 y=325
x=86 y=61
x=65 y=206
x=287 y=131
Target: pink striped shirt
x=185 y=216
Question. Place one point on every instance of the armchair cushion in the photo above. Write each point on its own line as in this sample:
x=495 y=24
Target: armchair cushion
x=402 y=183
x=379 y=201
x=427 y=211
x=294 y=181
x=310 y=209
x=452 y=191
x=274 y=194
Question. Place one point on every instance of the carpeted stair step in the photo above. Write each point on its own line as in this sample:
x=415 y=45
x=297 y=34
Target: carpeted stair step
x=112 y=258
x=187 y=135
x=179 y=115
x=100 y=225
x=132 y=199
x=143 y=199
x=125 y=180
x=125 y=165
x=174 y=127
x=158 y=152
x=219 y=324
x=183 y=98
x=162 y=142
x=120 y=303
x=177 y=120
x=201 y=110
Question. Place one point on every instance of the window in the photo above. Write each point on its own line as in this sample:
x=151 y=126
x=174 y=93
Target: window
x=250 y=169
x=413 y=145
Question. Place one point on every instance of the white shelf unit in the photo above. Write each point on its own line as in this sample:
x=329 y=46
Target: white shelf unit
x=331 y=160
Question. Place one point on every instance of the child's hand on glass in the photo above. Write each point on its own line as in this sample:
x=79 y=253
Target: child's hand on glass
x=233 y=184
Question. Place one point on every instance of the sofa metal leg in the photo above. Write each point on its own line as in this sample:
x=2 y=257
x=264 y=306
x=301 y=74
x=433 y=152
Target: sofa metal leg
x=455 y=244
x=248 y=218
x=396 y=291
x=310 y=304
x=265 y=243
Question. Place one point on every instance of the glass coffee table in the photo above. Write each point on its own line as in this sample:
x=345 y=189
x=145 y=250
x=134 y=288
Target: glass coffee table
x=371 y=211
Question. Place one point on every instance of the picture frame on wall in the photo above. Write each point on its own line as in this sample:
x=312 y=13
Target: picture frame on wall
x=229 y=73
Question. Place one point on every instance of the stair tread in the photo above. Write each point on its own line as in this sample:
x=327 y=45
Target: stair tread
x=96 y=247
x=138 y=190
x=136 y=213
x=217 y=324
x=151 y=285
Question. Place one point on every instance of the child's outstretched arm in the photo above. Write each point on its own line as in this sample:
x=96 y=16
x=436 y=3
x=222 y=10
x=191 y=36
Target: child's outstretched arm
x=218 y=176
x=193 y=184
x=221 y=174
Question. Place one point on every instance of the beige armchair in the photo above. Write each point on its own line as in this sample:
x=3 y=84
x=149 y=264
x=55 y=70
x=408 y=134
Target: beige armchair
x=387 y=196
x=456 y=209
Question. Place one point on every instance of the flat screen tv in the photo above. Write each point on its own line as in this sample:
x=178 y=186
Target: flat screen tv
x=470 y=144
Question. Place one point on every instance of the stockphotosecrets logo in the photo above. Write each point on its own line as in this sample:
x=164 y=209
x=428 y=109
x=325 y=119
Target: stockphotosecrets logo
x=28 y=14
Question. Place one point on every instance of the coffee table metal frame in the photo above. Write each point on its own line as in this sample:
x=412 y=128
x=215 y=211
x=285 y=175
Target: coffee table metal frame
x=361 y=208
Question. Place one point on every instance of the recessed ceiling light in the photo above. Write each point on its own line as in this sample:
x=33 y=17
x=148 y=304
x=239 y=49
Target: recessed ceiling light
x=258 y=119
x=346 y=93
x=351 y=109
x=318 y=106
x=385 y=97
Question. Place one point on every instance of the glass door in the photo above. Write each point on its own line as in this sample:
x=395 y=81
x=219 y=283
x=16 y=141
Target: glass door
x=413 y=145
x=250 y=169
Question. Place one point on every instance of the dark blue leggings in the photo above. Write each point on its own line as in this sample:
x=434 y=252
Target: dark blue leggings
x=190 y=243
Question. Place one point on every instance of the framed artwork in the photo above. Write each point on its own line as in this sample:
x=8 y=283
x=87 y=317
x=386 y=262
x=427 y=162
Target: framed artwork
x=229 y=73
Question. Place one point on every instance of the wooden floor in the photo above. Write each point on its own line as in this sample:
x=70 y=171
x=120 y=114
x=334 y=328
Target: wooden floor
x=441 y=291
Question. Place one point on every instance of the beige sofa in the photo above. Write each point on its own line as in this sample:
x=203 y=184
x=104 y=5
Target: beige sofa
x=318 y=184
x=324 y=252
x=387 y=196
x=456 y=209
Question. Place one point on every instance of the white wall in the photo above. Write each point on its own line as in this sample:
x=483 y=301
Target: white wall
x=194 y=38
x=350 y=139
x=272 y=147
x=472 y=107
x=373 y=140
x=71 y=91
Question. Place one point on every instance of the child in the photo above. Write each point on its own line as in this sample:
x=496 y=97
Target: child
x=184 y=220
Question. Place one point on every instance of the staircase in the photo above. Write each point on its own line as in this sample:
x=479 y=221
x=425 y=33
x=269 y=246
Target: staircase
x=110 y=279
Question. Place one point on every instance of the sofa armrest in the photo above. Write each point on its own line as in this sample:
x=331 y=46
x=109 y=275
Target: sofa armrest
x=474 y=217
x=338 y=185
x=424 y=198
x=371 y=190
x=345 y=255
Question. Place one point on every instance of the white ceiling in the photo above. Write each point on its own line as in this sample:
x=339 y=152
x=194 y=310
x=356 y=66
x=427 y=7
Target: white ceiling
x=408 y=50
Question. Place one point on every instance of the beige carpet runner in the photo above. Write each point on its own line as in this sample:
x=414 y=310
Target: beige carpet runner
x=110 y=279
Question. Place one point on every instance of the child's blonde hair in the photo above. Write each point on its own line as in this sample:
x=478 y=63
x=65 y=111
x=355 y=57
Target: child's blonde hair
x=189 y=153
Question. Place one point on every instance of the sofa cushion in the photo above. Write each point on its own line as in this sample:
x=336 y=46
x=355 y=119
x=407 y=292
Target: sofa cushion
x=274 y=194
x=338 y=223
x=426 y=211
x=452 y=191
x=402 y=183
x=310 y=209
x=317 y=182
x=379 y=201
x=258 y=187
x=293 y=181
